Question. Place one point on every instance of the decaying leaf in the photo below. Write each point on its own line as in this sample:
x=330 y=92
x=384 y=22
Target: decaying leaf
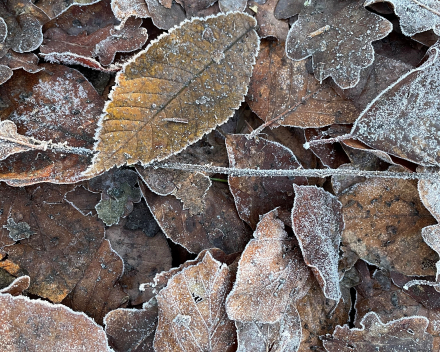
x=59 y=105
x=271 y=274
x=285 y=90
x=338 y=38
x=383 y=223
x=54 y=8
x=200 y=8
x=218 y=226
x=415 y=16
x=405 y=334
x=14 y=61
x=268 y=25
x=403 y=120
x=17 y=286
x=28 y=325
x=317 y=223
x=192 y=312
x=161 y=104
x=255 y=196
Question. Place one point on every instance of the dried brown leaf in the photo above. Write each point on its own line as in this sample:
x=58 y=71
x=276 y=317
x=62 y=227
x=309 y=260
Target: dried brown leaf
x=269 y=26
x=255 y=196
x=83 y=200
x=160 y=104
x=429 y=191
x=123 y=9
x=17 y=287
x=288 y=8
x=14 y=61
x=285 y=90
x=165 y=17
x=338 y=38
x=192 y=312
x=317 y=223
x=54 y=8
x=271 y=273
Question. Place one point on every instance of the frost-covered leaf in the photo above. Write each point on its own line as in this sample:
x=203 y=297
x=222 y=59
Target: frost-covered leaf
x=404 y=334
x=161 y=104
x=338 y=38
x=14 y=61
x=415 y=16
x=163 y=17
x=199 y=8
x=288 y=8
x=271 y=273
x=232 y=5
x=431 y=236
x=429 y=191
x=17 y=287
x=268 y=25
x=83 y=200
x=123 y=9
x=218 y=226
x=35 y=325
x=317 y=223
x=192 y=312
x=59 y=105
x=54 y=8
x=404 y=119
x=383 y=223
x=284 y=88
x=255 y=196
x=144 y=256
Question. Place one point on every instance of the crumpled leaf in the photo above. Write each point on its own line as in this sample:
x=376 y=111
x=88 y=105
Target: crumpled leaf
x=123 y=9
x=255 y=196
x=317 y=223
x=132 y=329
x=27 y=325
x=54 y=8
x=383 y=223
x=415 y=16
x=57 y=104
x=286 y=88
x=192 y=312
x=338 y=38
x=405 y=334
x=163 y=17
x=17 y=287
x=271 y=274
x=403 y=119
x=269 y=26
x=147 y=117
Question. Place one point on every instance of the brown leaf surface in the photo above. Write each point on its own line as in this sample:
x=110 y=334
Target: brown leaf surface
x=317 y=223
x=232 y=5
x=27 y=325
x=219 y=226
x=288 y=8
x=405 y=334
x=144 y=256
x=269 y=26
x=271 y=273
x=54 y=8
x=383 y=223
x=60 y=233
x=255 y=196
x=35 y=102
x=14 y=61
x=284 y=89
x=83 y=200
x=165 y=17
x=338 y=38
x=17 y=287
x=147 y=117
x=192 y=314
x=123 y=9
x=431 y=236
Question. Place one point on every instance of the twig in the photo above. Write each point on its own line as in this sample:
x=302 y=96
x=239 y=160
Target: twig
x=315 y=142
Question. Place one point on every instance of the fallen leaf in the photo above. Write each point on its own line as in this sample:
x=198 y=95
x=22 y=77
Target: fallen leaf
x=401 y=120
x=17 y=286
x=35 y=102
x=429 y=191
x=83 y=200
x=269 y=26
x=146 y=106
x=54 y=8
x=255 y=196
x=14 y=61
x=30 y=324
x=338 y=38
x=200 y=8
x=285 y=91
x=414 y=16
x=123 y=9
x=232 y=5
x=407 y=333
x=317 y=223
x=271 y=274
x=192 y=312
x=288 y=8
x=431 y=236
x=383 y=223
x=163 y=17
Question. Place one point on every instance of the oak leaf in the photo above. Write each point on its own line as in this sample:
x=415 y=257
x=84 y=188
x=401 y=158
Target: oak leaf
x=160 y=104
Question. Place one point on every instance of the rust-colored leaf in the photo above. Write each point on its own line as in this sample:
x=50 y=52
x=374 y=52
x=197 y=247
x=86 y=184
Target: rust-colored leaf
x=56 y=104
x=255 y=196
x=407 y=333
x=160 y=104
x=285 y=91
x=269 y=26
x=271 y=273
x=383 y=223
x=317 y=223
x=192 y=312
x=338 y=38
x=33 y=325
x=218 y=226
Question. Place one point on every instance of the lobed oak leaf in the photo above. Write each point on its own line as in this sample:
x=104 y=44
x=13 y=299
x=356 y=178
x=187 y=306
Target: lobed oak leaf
x=317 y=223
x=271 y=274
x=285 y=91
x=192 y=312
x=160 y=104
x=27 y=325
x=338 y=38
x=254 y=196
x=407 y=333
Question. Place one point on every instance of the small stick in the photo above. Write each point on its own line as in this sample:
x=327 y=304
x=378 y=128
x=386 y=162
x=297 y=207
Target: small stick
x=319 y=31
x=315 y=142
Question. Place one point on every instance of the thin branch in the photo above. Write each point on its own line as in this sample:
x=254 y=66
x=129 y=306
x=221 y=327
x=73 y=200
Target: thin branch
x=297 y=172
